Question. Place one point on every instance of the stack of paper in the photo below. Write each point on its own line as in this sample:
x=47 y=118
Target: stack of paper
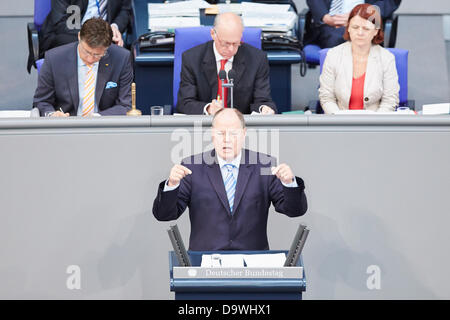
x=15 y=113
x=268 y=17
x=165 y=16
x=439 y=108
x=274 y=260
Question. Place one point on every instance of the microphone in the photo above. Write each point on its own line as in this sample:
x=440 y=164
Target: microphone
x=231 y=75
x=230 y=84
x=222 y=77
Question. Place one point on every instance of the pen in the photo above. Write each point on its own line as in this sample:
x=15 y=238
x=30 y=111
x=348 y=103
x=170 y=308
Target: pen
x=60 y=109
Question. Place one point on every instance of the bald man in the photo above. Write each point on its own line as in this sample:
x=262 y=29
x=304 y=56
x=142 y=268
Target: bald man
x=229 y=190
x=200 y=92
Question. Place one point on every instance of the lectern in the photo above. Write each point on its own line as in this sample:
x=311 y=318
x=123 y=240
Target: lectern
x=241 y=283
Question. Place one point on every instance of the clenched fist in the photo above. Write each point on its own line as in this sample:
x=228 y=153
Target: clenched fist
x=284 y=173
x=177 y=173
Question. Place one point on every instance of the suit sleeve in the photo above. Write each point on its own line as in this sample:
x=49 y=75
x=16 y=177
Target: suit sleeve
x=187 y=101
x=387 y=7
x=123 y=101
x=289 y=201
x=261 y=88
x=391 y=88
x=122 y=19
x=318 y=8
x=327 y=79
x=170 y=205
x=54 y=23
x=44 y=96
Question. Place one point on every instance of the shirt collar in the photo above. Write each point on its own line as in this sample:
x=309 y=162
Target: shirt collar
x=218 y=55
x=236 y=161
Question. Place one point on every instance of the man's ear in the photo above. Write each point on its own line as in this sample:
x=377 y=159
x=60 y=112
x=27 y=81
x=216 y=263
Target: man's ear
x=79 y=36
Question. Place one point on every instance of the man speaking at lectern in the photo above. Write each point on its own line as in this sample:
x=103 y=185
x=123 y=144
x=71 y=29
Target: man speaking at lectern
x=228 y=191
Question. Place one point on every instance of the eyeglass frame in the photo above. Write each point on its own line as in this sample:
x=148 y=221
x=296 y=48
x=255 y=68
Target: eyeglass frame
x=93 y=55
x=227 y=44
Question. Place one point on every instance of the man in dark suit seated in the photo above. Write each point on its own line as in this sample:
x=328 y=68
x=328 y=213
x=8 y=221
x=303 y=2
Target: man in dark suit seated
x=229 y=191
x=66 y=17
x=200 y=89
x=329 y=18
x=86 y=78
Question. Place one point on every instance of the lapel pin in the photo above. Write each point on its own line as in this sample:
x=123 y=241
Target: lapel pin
x=106 y=64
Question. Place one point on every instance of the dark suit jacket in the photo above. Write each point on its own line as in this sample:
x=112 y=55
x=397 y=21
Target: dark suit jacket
x=58 y=81
x=54 y=31
x=212 y=225
x=198 y=80
x=319 y=8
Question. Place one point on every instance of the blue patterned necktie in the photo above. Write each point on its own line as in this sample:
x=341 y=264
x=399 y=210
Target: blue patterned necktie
x=336 y=7
x=230 y=185
x=102 y=9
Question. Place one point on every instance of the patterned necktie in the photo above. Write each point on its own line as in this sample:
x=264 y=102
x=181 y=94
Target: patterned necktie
x=336 y=7
x=102 y=9
x=89 y=92
x=230 y=185
x=219 y=88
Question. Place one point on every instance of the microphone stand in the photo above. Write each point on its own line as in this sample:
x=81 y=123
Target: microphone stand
x=230 y=85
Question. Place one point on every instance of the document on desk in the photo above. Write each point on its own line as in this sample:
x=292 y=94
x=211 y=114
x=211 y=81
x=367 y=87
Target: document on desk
x=180 y=9
x=264 y=7
x=166 y=23
x=164 y=16
x=15 y=113
x=272 y=260
x=439 y=108
x=230 y=7
x=268 y=17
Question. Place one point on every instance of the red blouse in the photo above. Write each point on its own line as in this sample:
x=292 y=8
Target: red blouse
x=357 y=96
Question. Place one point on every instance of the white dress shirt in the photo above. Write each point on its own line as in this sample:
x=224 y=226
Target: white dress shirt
x=236 y=163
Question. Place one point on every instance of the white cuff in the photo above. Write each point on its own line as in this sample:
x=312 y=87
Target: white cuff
x=204 y=109
x=293 y=184
x=167 y=188
x=115 y=24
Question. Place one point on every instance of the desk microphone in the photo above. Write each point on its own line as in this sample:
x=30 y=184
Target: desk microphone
x=230 y=85
x=222 y=77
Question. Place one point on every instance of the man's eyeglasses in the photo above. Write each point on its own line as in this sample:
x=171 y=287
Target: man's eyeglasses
x=94 y=55
x=226 y=44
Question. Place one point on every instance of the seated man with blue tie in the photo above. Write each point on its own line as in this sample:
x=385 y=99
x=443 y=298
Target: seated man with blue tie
x=91 y=77
x=228 y=191
x=66 y=17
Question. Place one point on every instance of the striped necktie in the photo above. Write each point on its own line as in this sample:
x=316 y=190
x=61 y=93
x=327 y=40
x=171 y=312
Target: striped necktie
x=102 y=9
x=89 y=92
x=230 y=185
x=336 y=7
